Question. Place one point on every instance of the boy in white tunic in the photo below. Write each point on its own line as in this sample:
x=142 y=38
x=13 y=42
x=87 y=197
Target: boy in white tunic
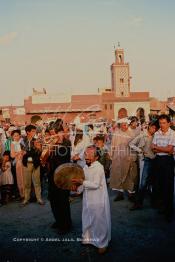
x=96 y=218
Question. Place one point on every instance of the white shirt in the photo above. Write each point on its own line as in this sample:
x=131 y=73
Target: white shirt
x=164 y=139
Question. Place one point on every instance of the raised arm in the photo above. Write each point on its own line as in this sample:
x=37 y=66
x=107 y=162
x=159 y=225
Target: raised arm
x=134 y=144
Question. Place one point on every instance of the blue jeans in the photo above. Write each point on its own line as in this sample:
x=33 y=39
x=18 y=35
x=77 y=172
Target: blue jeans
x=146 y=178
x=146 y=173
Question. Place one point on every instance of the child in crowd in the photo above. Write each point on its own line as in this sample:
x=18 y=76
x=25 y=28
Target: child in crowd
x=17 y=154
x=104 y=157
x=6 y=179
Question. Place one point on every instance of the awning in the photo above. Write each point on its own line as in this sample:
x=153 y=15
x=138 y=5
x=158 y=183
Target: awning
x=171 y=107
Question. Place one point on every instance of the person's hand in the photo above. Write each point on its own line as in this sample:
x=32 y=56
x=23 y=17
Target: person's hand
x=76 y=157
x=153 y=147
x=23 y=152
x=77 y=181
x=140 y=151
x=73 y=188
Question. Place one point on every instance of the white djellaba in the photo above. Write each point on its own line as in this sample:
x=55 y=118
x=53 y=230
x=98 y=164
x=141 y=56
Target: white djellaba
x=96 y=216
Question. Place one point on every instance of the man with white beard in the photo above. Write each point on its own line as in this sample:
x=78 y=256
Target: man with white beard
x=96 y=218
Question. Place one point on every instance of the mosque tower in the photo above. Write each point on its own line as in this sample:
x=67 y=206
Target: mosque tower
x=120 y=75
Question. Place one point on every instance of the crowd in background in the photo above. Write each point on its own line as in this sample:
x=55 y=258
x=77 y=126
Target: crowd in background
x=137 y=156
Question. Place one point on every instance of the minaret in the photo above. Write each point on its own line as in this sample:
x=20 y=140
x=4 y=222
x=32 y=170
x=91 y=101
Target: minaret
x=120 y=75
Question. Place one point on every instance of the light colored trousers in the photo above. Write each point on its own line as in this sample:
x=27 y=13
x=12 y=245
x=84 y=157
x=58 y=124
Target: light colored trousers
x=32 y=175
x=20 y=177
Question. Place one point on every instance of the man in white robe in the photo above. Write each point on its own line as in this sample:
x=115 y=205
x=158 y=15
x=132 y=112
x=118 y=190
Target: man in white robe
x=96 y=218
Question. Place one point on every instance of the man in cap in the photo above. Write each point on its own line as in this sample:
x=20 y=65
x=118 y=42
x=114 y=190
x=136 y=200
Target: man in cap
x=124 y=168
x=96 y=218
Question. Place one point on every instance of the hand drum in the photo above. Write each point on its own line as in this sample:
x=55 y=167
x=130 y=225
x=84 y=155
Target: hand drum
x=65 y=173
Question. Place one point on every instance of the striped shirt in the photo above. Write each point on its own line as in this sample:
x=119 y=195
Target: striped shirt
x=164 y=139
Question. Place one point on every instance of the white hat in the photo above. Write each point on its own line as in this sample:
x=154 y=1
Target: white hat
x=12 y=128
x=123 y=120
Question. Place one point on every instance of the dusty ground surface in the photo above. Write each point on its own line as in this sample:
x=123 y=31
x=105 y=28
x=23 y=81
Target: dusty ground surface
x=141 y=235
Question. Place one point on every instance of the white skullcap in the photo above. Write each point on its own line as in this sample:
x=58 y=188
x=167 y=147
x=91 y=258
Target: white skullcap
x=12 y=128
x=123 y=120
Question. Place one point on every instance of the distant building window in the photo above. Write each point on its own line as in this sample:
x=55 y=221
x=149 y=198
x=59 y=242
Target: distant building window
x=106 y=107
x=121 y=80
x=7 y=120
x=122 y=93
x=120 y=59
x=110 y=106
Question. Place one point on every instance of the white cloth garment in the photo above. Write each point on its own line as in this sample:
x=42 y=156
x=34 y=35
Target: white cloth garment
x=96 y=217
x=79 y=150
x=7 y=177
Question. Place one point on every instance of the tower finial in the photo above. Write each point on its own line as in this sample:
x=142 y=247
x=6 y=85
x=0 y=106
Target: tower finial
x=118 y=44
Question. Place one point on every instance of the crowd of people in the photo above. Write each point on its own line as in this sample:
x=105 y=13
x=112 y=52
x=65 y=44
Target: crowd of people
x=132 y=158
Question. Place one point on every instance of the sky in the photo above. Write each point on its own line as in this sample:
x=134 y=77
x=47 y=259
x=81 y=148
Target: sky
x=68 y=45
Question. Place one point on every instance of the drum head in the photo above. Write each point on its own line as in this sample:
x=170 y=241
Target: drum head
x=65 y=173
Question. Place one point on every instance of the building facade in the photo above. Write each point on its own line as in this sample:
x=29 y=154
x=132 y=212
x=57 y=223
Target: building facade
x=117 y=102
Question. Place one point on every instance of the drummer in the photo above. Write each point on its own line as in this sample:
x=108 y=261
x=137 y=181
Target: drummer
x=59 y=198
x=96 y=218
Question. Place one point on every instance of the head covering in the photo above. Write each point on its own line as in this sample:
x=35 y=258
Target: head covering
x=12 y=128
x=1 y=130
x=123 y=120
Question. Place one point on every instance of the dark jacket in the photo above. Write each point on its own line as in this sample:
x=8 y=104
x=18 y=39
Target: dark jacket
x=31 y=151
x=61 y=156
